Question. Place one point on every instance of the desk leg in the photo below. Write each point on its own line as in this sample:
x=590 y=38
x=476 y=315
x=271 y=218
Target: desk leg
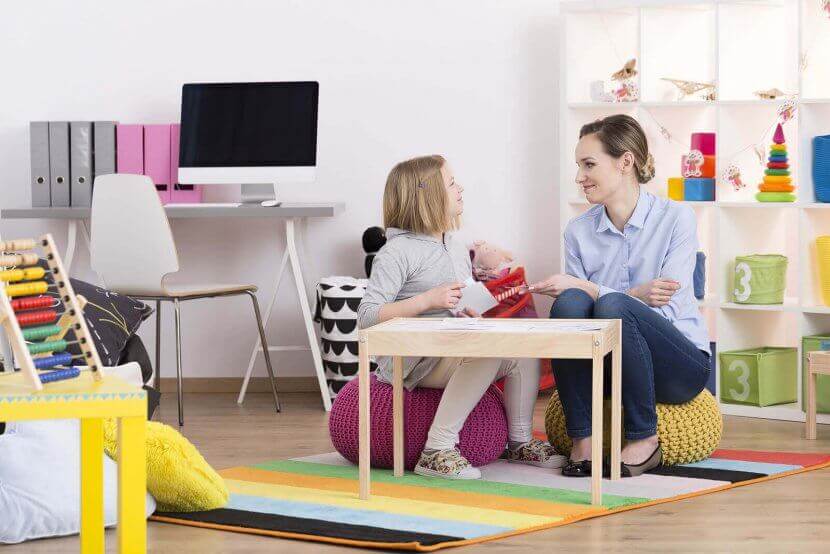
x=71 y=243
x=302 y=296
x=364 y=438
x=810 y=421
x=92 y=485
x=258 y=345
x=596 y=427
x=132 y=486
x=397 y=416
x=616 y=406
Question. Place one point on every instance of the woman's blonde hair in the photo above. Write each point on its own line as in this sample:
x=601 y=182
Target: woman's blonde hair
x=620 y=134
x=415 y=198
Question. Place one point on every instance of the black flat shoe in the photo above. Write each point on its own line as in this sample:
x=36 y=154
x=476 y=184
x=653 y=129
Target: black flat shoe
x=633 y=470
x=582 y=468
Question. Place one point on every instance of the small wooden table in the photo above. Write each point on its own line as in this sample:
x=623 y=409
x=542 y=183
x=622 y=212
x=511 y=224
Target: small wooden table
x=818 y=363
x=494 y=338
x=92 y=401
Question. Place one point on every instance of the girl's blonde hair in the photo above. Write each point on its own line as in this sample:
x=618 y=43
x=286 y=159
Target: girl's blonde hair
x=415 y=198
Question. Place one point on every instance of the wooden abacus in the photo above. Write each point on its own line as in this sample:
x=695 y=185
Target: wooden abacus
x=36 y=322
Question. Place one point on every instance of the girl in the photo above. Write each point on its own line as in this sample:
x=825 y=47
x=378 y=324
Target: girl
x=630 y=257
x=420 y=271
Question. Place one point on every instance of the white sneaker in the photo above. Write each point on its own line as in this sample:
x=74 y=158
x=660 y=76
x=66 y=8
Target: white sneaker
x=537 y=453
x=449 y=464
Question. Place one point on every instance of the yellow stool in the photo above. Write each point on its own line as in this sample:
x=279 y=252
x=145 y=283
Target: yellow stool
x=92 y=401
x=687 y=432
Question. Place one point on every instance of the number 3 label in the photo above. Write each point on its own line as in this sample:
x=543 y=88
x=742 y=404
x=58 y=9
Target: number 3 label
x=743 y=282
x=742 y=369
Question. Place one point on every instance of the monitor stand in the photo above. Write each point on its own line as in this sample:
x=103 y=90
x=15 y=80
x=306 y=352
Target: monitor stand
x=259 y=194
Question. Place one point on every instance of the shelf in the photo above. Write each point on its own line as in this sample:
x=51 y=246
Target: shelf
x=757 y=205
x=785 y=412
x=816 y=309
x=815 y=206
x=600 y=105
x=789 y=305
x=680 y=104
x=814 y=101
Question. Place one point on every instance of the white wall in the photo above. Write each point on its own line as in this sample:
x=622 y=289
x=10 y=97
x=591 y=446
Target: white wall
x=475 y=80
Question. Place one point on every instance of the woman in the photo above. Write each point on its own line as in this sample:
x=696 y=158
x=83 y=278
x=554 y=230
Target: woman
x=630 y=257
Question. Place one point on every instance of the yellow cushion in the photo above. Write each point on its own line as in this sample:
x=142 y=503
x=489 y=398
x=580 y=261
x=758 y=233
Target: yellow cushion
x=687 y=432
x=178 y=476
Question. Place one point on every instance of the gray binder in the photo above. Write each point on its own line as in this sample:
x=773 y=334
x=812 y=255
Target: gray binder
x=59 y=162
x=104 y=151
x=80 y=163
x=39 y=153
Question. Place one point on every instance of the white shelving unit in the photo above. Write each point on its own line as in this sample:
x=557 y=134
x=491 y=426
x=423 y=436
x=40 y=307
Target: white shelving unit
x=742 y=47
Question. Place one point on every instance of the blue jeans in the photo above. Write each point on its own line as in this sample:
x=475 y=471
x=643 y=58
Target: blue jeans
x=659 y=364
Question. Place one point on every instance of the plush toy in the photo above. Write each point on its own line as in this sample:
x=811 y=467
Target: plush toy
x=373 y=240
x=489 y=261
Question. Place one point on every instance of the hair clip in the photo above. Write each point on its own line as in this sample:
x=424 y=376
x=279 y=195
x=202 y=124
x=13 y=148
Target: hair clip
x=421 y=185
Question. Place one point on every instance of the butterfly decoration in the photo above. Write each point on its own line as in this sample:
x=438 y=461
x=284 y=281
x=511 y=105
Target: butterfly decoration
x=692 y=164
x=733 y=176
x=786 y=111
x=627 y=72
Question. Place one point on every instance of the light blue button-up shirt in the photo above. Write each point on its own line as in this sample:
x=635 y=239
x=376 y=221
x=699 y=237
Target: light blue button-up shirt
x=659 y=241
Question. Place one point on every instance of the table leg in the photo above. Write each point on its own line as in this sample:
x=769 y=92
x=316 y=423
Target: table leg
x=92 y=485
x=810 y=420
x=596 y=427
x=132 y=485
x=258 y=345
x=364 y=435
x=397 y=416
x=302 y=296
x=71 y=242
x=616 y=406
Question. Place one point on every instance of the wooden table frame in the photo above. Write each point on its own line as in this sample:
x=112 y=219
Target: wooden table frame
x=392 y=338
x=818 y=363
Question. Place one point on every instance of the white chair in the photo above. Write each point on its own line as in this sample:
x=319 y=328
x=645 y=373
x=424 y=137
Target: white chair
x=132 y=249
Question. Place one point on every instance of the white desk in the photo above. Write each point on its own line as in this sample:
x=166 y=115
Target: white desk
x=292 y=213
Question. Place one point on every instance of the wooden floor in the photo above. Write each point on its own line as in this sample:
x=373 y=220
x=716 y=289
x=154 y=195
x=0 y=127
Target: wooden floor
x=785 y=515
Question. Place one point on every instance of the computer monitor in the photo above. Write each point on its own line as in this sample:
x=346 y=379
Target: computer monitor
x=255 y=134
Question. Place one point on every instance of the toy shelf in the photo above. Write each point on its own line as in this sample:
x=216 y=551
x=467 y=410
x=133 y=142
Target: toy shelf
x=713 y=41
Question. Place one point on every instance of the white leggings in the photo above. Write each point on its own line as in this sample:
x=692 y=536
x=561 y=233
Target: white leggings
x=465 y=380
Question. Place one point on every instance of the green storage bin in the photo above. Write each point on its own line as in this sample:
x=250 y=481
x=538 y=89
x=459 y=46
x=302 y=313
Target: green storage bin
x=759 y=376
x=811 y=344
x=760 y=279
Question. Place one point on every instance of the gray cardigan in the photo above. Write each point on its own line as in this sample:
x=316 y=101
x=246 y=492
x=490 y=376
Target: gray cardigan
x=408 y=265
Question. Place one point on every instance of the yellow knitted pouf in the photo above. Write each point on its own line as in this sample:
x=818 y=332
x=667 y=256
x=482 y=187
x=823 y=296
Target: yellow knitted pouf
x=688 y=432
x=178 y=476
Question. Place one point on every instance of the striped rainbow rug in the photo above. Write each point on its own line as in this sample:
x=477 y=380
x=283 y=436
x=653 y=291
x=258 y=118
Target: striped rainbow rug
x=315 y=498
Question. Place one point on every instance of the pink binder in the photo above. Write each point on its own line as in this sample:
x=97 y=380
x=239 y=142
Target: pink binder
x=182 y=194
x=157 y=158
x=129 y=140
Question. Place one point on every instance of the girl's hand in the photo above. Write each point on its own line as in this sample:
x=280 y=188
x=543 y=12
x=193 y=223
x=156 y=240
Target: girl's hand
x=655 y=293
x=445 y=297
x=555 y=285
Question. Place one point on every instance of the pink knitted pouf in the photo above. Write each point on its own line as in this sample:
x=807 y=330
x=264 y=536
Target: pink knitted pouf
x=482 y=439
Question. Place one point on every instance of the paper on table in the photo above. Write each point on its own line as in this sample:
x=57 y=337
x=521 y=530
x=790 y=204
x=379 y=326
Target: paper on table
x=476 y=297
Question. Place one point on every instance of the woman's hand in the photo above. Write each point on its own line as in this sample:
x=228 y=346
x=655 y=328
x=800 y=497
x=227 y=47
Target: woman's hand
x=555 y=285
x=469 y=312
x=445 y=297
x=655 y=293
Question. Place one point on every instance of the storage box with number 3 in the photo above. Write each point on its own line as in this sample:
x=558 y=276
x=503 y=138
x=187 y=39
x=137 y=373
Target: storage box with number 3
x=759 y=376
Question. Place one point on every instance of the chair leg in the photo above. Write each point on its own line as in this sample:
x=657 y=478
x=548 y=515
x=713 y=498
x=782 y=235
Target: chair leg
x=157 y=374
x=179 y=360
x=265 y=350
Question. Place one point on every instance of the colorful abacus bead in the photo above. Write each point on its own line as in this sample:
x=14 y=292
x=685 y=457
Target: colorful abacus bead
x=59 y=375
